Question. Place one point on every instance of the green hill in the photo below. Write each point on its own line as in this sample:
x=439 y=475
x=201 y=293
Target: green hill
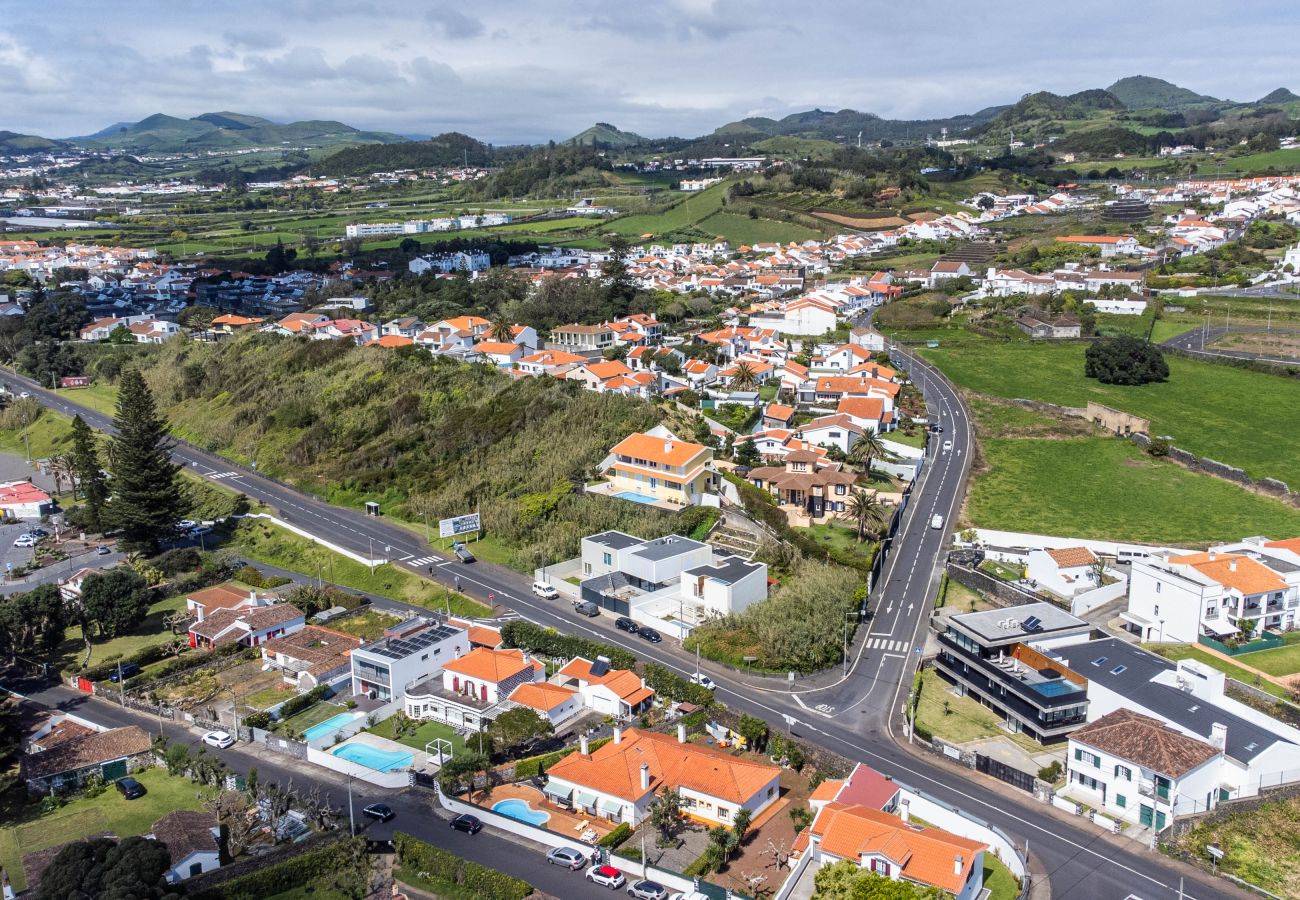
x=602 y=134
x=161 y=133
x=14 y=144
x=1281 y=95
x=845 y=125
x=451 y=149
x=1145 y=92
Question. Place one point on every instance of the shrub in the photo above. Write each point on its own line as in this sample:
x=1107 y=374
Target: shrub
x=615 y=838
x=1158 y=447
x=297 y=704
x=178 y=561
x=441 y=865
x=345 y=860
x=532 y=766
x=258 y=720
x=671 y=686
x=1050 y=773
x=250 y=575
x=536 y=639
x=1125 y=360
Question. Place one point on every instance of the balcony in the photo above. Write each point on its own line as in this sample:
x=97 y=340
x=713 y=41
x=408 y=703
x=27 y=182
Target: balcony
x=1153 y=790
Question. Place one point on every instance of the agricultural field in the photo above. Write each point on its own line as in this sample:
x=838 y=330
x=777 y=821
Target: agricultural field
x=1259 y=845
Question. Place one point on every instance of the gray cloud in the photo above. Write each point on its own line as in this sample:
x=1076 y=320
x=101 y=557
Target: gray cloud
x=453 y=23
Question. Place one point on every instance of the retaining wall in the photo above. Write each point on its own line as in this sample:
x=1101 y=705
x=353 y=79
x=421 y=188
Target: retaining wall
x=1279 y=490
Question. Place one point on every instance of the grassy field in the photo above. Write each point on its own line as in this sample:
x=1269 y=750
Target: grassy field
x=100 y=396
x=683 y=214
x=1176 y=652
x=999 y=881
x=27 y=831
x=964 y=718
x=841 y=536
x=149 y=633
x=421 y=736
x=1202 y=405
x=367 y=625
x=1279 y=662
x=1259 y=845
x=740 y=229
x=915 y=439
x=1105 y=488
x=275 y=546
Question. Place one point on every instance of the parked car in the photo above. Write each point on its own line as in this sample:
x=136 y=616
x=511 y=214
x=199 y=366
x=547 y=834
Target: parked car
x=703 y=681
x=544 y=590
x=649 y=634
x=380 y=811
x=647 y=890
x=123 y=672
x=129 y=788
x=466 y=823
x=567 y=857
x=219 y=739
x=187 y=524
x=586 y=608
x=38 y=533
x=936 y=521
x=937 y=428
x=25 y=540
x=609 y=876
x=103 y=550
x=689 y=895
x=623 y=623
x=462 y=552
x=947 y=445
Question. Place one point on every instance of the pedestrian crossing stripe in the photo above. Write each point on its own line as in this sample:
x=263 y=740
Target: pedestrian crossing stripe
x=215 y=476
x=424 y=561
x=883 y=644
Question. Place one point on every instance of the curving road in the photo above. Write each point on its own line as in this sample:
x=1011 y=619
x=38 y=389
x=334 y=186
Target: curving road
x=855 y=714
x=1200 y=342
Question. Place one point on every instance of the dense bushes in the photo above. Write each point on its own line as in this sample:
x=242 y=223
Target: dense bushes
x=433 y=864
x=617 y=837
x=1125 y=360
x=671 y=686
x=532 y=766
x=344 y=865
x=297 y=704
x=536 y=639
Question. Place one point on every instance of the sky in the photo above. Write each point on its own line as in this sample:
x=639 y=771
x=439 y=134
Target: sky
x=508 y=71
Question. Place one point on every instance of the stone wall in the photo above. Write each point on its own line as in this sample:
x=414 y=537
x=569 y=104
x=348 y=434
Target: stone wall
x=1116 y=421
x=1271 y=486
x=1243 y=806
x=1002 y=593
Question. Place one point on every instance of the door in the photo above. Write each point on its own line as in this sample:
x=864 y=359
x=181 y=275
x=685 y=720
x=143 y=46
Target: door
x=114 y=770
x=1160 y=821
x=1144 y=816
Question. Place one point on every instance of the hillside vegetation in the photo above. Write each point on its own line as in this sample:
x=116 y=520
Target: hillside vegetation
x=418 y=434
x=450 y=149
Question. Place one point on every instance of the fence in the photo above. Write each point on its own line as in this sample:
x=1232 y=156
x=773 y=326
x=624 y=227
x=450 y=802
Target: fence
x=1006 y=593
x=1265 y=641
x=1004 y=772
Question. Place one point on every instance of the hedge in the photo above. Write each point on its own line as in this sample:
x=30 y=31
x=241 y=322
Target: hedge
x=536 y=639
x=441 y=865
x=297 y=704
x=531 y=766
x=671 y=686
x=284 y=876
x=615 y=838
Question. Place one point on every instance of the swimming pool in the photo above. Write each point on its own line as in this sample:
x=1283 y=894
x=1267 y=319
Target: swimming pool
x=1056 y=687
x=329 y=726
x=519 y=809
x=373 y=757
x=635 y=497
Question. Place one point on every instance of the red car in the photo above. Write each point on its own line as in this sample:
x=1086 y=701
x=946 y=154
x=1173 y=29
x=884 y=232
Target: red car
x=609 y=876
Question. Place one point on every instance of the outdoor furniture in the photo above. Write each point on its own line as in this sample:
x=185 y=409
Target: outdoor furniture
x=581 y=825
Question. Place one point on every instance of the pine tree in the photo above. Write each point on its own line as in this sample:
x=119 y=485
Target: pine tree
x=90 y=473
x=147 y=500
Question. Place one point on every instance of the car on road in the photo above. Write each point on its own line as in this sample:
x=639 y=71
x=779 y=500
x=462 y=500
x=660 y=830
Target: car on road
x=936 y=428
x=219 y=739
x=24 y=395
x=379 y=811
x=544 y=590
x=466 y=823
x=586 y=608
x=623 y=623
x=703 y=681
x=947 y=445
x=38 y=533
x=568 y=857
x=123 y=671
x=609 y=876
x=129 y=788
x=462 y=552
x=936 y=521
x=25 y=540
x=187 y=524
x=647 y=890
x=103 y=550
x=649 y=634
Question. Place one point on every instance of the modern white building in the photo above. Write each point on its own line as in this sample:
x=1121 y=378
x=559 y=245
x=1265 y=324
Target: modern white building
x=405 y=655
x=456 y=261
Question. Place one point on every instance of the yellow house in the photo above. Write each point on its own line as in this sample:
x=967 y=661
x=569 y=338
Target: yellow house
x=660 y=468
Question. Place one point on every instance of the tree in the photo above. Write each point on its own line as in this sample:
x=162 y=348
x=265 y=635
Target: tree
x=620 y=290
x=147 y=501
x=1125 y=360
x=865 y=510
x=846 y=880
x=33 y=621
x=500 y=330
x=754 y=731
x=114 y=601
x=743 y=377
x=121 y=335
x=747 y=454
x=517 y=727
x=461 y=768
x=131 y=869
x=867 y=447
x=666 y=815
x=740 y=825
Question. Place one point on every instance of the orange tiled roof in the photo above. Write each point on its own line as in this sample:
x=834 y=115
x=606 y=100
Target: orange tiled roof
x=1292 y=544
x=390 y=340
x=660 y=450
x=541 y=695
x=1070 y=557
x=1234 y=571
x=623 y=682
x=491 y=665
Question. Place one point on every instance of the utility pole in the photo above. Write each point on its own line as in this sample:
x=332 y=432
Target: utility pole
x=352 y=822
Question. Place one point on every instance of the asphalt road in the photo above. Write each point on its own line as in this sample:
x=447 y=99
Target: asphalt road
x=1200 y=342
x=858 y=712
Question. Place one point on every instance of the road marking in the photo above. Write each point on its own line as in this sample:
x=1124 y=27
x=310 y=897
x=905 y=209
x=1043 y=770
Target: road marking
x=217 y=476
x=423 y=560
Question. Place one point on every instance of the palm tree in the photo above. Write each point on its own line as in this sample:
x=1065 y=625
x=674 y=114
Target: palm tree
x=743 y=377
x=867 y=447
x=501 y=330
x=865 y=511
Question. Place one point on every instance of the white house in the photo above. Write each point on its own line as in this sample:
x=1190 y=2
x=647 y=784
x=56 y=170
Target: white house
x=552 y=702
x=193 y=840
x=458 y=261
x=620 y=693
x=467 y=689
x=24 y=500
x=406 y=654
x=502 y=354
x=1064 y=572
x=838 y=431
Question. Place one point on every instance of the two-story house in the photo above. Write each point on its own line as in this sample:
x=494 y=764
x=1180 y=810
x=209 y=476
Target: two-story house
x=585 y=340
x=469 y=687
x=647 y=467
x=404 y=655
x=806 y=482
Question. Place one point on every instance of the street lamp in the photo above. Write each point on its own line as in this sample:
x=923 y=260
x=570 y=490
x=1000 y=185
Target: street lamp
x=847 y=614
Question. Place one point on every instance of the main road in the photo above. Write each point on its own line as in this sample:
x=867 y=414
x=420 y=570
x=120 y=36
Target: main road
x=855 y=714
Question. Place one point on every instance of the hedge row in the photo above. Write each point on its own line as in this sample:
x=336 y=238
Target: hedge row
x=417 y=856
x=291 y=874
x=532 y=766
x=302 y=701
x=671 y=686
x=616 y=838
x=536 y=639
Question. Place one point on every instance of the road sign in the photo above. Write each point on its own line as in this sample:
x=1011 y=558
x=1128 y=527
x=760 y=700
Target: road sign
x=917 y=651
x=458 y=525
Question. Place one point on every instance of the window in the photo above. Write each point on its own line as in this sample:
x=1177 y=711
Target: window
x=724 y=812
x=1124 y=772
x=771 y=791
x=841 y=489
x=1084 y=756
x=586 y=567
x=196 y=869
x=608 y=559
x=424 y=657
x=1121 y=801
x=1155 y=610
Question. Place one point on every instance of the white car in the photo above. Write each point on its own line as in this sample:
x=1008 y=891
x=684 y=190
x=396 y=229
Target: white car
x=544 y=590
x=186 y=524
x=25 y=540
x=703 y=681
x=947 y=445
x=219 y=739
x=936 y=521
x=608 y=876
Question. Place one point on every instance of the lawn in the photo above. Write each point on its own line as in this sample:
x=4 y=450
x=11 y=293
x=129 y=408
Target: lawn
x=1176 y=652
x=49 y=435
x=1259 y=845
x=683 y=214
x=149 y=633
x=264 y=542
x=312 y=715
x=28 y=831
x=740 y=229
x=367 y=625
x=961 y=598
x=421 y=736
x=839 y=536
x=1279 y=662
x=965 y=719
x=100 y=396
x=999 y=881
x=915 y=439
x=1236 y=416
x=1106 y=488
x=1001 y=570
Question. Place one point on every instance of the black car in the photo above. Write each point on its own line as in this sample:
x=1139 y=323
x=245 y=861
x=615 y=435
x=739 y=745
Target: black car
x=129 y=788
x=623 y=623
x=466 y=823
x=381 y=811
x=123 y=672
x=462 y=553
x=649 y=634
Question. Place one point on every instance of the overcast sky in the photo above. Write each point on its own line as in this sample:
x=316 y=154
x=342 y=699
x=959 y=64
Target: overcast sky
x=516 y=71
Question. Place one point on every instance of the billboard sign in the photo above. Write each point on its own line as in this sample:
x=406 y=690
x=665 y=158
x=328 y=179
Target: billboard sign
x=458 y=525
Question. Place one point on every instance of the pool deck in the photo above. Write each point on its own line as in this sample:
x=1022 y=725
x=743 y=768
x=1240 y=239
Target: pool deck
x=419 y=759
x=608 y=489
x=562 y=821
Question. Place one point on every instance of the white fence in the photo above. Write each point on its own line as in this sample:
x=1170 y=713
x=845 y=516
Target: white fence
x=394 y=780
x=796 y=873
x=365 y=561
x=950 y=819
x=1090 y=600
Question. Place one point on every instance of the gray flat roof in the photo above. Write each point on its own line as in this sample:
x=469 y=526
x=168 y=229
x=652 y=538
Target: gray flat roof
x=728 y=570
x=1127 y=670
x=616 y=539
x=402 y=647
x=666 y=547
x=1009 y=623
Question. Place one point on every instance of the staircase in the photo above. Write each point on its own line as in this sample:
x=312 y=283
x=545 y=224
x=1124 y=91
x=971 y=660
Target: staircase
x=735 y=541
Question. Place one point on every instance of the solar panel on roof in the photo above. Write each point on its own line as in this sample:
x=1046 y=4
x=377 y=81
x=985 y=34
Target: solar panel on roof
x=599 y=667
x=1032 y=623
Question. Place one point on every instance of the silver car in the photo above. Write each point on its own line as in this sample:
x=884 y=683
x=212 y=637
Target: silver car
x=567 y=857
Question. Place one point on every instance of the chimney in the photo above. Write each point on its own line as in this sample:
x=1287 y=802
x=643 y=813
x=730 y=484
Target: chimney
x=583 y=747
x=1219 y=735
x=1232 y=565
x=957 y=864
x=645 y=776
x=681 y=733
x=1213 y=556
x=668 y=445
x=618 y=734
x=904 y=812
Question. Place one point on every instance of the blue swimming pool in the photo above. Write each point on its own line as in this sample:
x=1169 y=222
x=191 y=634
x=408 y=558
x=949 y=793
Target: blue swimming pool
x=329 y=726
x=1056 y=687
x=635 y=497
x=519 y=809
x=373 y=757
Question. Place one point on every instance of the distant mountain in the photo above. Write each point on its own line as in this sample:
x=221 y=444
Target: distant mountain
x=451 y=149
x=14 y=144
x=1281 y=95
x=161 y=133
x=844 y=126
x=1145 y=92
x=606 y=135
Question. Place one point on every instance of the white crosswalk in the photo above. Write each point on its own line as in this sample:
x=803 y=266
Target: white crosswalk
x=217 y=476
x=883 y=644
x=423 y=561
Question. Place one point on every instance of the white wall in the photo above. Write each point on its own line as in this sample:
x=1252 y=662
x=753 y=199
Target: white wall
x=394 y=780
x=1090 y=600
x=1158 y=595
